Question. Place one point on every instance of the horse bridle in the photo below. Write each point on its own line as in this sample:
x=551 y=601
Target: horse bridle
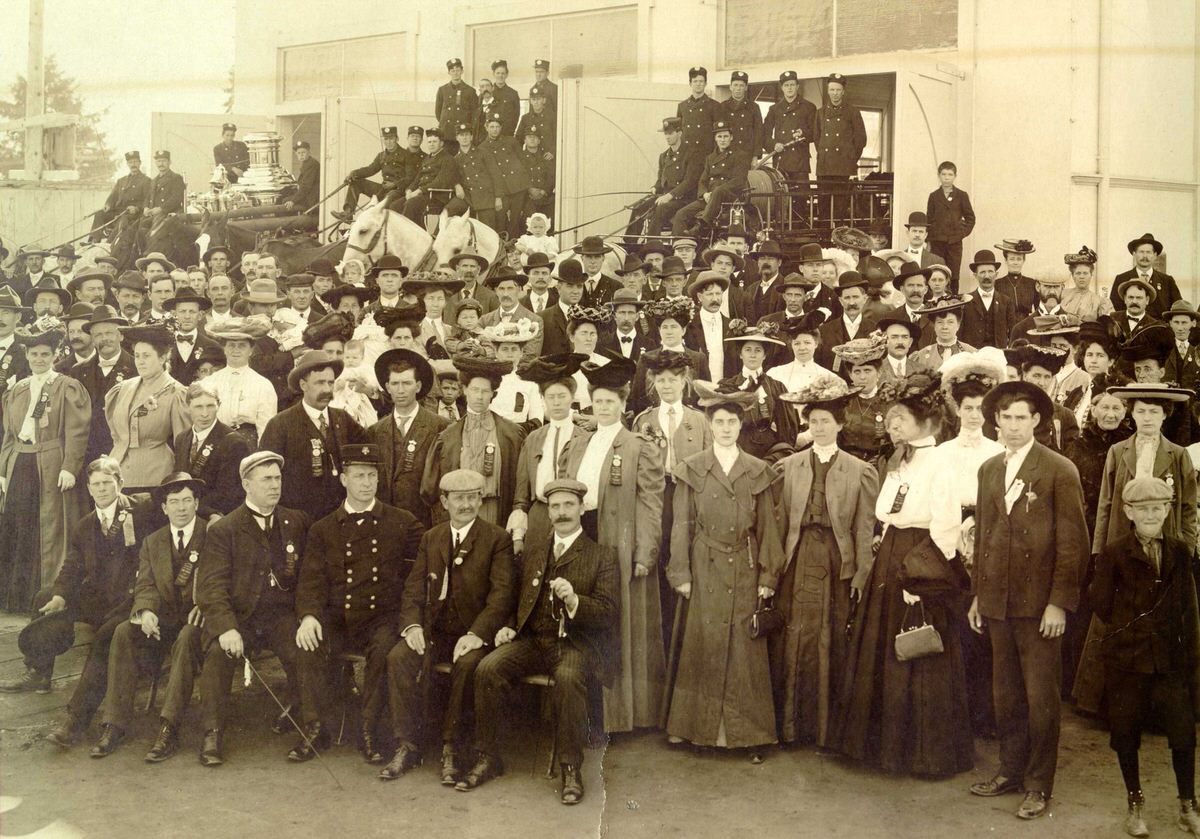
x=380 y=233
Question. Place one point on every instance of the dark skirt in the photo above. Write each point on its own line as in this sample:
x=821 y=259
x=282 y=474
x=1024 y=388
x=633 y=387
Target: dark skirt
x=20 y=540
x=905 y=716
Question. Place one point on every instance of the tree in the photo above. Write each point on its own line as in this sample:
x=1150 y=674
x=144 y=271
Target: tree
x=93 y=157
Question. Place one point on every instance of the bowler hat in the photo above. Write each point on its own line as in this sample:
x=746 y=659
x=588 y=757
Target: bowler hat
x=811 y=252
x=625 y=297
x=321 y=267
x=917 y=219
x=914 y=329
x=592 y=246
x=153 y=334
x=468 y=253
x=505 y=274
x=570 y=271
x=538 y=259
x=768 y=247
x=910 y=269
x=187 y=296
x=672 y=266
x=176 y=481
x=851 y=279
x=984 y=257
x=78 y=311
x=388 y=262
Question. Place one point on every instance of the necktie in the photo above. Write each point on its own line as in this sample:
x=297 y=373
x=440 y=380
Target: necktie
x=179 y=538
x=183 y=338
x=672 y=424
x=264 y=519
x=559 y=549
x=103 y=523
x=557 y=432
x=195 y=447
x=591 y=287
x=323 y=427
x=900 y=368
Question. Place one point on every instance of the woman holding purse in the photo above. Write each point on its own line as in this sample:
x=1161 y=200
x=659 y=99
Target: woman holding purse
x=908 y=716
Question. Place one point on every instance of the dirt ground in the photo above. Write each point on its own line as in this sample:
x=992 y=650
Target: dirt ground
x=637 y=787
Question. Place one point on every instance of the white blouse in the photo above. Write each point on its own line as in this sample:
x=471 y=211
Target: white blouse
x=593 y=466
x=957 y=463
x=920 y=481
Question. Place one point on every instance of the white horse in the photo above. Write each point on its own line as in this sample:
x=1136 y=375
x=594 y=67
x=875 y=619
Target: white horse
x=456 y=233
x=377 y=230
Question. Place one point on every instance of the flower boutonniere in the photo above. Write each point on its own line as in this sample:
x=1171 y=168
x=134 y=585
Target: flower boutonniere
x=1030 y=497
x=198 y=354
x=654 y=435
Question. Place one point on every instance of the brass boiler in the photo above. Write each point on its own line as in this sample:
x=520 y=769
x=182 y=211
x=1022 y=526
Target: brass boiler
x=265 y=181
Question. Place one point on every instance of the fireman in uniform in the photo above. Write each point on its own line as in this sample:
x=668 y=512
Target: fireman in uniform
x=674 y=188
x=233 y=154
x=129 y=197
x=505 y=100
x=475 y=176
x=841 y=138
x=392 y=162
x=742 y=115
x=541 y=80
x=724 y=176
x=435 y=182
x=415 y=155
x=455 y=103
x=167 y=190
x=308 y=180
x=698 y=113
x=503 y=158
x=791 y=118
x=540 y=166
x=541 y=118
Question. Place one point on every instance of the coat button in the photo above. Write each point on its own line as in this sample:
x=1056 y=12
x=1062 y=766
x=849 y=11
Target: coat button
x=347 y=597
x=347 y=605
x=374 y=569
x=372 y=605
x=374 y=579
x=349 y=553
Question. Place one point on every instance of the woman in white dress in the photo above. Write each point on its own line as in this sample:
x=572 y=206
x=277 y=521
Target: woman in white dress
x=583 y=329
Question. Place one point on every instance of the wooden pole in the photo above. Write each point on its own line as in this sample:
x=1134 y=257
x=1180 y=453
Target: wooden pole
x=35 y=92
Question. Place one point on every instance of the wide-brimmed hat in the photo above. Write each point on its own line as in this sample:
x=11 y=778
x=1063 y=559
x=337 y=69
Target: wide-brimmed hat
x=547 y=369
x=663 y=361
x=537 y=259
x=1150 y=392
x=875 y=271
x=334 y=296
x=388 y=262
x=914 y=329
x=633 y=264
x=705 y=279
x=310 y=361
x=1145 y=239
x=64 y=296
x=187 y=296
x=592 y=246
x=154 y=334
x=1101 y=331
x=155 y=256
x=570 y=271
x=851 y=279
x=1137 y=281
x=910 y=269
x=796 y=280
x=130 y=280
x=422 y=281
x=984 y=257
x=175 y=482
x=335 y=326
x=681 y=310
x=763 y=333
x=215 y=249
x=808 y=323
x=768 y=247
x=1015 y=246
x=851 y=238
x=22 y=253
x=727 y=396
x=1042 y=406
x=1024 y=354
x=724 y=250
x=46 y=331
x=481 y=365
x=249 y=328
x=869 y=348
x=468 y=253
x=660 y=248
x=597 y=315
x=263 y=291
x=824 y=390
x=1180 y=307
x=616 y=373
x=66 y=252
x=104 y=314
x=1060 y=324
x=504 y=274
x=1085 y=256
x=1155 y=341
x=89 y=274
x=420 y=365
x=985 y=365
x=514 y=332
x=943 y=304
x=625 y=297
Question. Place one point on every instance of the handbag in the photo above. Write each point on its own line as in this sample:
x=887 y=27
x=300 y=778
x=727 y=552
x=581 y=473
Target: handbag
x=766 y=620
x=919 y=641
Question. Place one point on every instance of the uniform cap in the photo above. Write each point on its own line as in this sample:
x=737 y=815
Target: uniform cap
x=161 y=154
x=671 y=124
x=416 y=129
x=390 y=133
x=465 y=128
x=541 y=64
x=229 y=126
x=535 y=92
x=461 y=480
x=361 y=454
x=454 y=62
x=697 y=71
x=133 y=155
x=739 y=76
x=253 y=461
x=835 y=77
x=300 y=144
x=788 y=76
x=499 y=62
x=718 y=127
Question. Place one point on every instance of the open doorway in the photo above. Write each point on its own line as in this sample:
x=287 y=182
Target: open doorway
x=292 y=129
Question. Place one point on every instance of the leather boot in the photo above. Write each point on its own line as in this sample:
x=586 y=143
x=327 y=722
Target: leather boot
x=282 y=725
x=407 y=757
x=1189 y=818
x=572 y=784
x=67 y=733
x=210 y=750
x=317 y=741
x=370 y=749
x=449 y=765
x=165 y=745
x=35 y=680
x=485 y=768
x=1135 y=825
x=110 y=739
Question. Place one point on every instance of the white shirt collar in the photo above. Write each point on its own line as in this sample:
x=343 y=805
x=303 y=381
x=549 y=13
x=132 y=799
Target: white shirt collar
x=461 y=533
x=1014 y=461
x=314 y=414
x=726 y=455
x=568 y=540
x=108 y=513
x=187 y=529
x=5 y=343
x=349 y=509
x=746 y=374
x=256 y=509
x=201 y=436
x=824 y=453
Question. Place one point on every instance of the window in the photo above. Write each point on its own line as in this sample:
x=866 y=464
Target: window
x=354 y=67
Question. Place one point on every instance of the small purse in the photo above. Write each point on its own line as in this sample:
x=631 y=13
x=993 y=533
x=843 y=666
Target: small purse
x=919 y=641
x=766 y=620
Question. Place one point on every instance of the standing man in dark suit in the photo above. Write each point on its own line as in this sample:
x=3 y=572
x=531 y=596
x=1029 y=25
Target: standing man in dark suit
x=233 y=154
x=990 y=314
x=211 y=452
x=308 y=180
x=555 y=340
x=1134 y=315
x=598 y=287
x=1031 y=544
x=107 y=368
x=565 y=625
x=459 y=595
x=538 y=295
x=541 y=80
x=840 y=139
x=792 y=119
x=1145 y=250
x=505 y=100
x=674 y=188
x=310 y=435
x=951 y=219
x=765 y=296
x=246 y=589
x=1183 y=364
x=913 y=283
x=192 y=347
x=347 y=602
x=470 y=266
x=456 y=101
x=406 y=435
x=852 y=323
x=162 y=621
x=917 y=247
x=501 y=153
x=625 y=338
x=13 y=366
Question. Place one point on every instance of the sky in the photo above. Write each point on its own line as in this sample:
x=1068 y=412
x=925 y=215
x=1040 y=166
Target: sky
x=134 y=57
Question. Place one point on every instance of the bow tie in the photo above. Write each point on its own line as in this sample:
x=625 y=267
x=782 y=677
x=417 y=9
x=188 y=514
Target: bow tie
x=626 y=339
x=907 y=450
x=184 y=338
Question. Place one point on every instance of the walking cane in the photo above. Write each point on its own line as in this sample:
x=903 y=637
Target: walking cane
x=681 y=605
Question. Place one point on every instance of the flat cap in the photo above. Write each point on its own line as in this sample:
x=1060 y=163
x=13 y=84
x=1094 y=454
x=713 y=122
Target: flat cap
x=461 y=480
x=1147 y=490
x=570 y=485
x=252 y=461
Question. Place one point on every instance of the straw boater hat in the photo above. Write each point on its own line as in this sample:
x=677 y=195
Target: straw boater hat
x=825 y=390
x=1085 y=256
x=1153 y=392
x=985 y=365
x=1137 y=281
x=249 y=328
x=1060 y=324
x=942 y=305
x=421 y=368
x=1015 y=246
x=423 y=281
x=868 y=349
x=518 y=332
x=851 y=238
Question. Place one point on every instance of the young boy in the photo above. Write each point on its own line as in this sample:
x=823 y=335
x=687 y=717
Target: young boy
x=951 y=220
x=468 y=328
x=1145 y=592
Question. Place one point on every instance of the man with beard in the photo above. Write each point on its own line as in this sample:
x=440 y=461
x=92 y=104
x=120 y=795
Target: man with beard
x=99 y=374
x=469 y=266
x=990 y=314
x=80 y=342
x=1049 y=302
x=851 y=324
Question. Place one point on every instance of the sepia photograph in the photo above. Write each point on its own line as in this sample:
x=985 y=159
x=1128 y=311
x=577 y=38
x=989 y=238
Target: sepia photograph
x=608 y=419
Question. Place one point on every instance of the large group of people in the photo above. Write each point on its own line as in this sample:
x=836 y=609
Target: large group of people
x=844 y=507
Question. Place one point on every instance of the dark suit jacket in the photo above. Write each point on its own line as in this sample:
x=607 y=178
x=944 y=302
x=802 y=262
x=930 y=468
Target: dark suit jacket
x=93 y=591
x=926 y=324
x=361 y=566
x=833 y=333
x=554 y=331
x=1167 y=292
x=950 y=219
x=482 y=588
x=1022 y=290
x=1122 y=323
x=757 y=305
x=14 y=367
x=184 y=372
x=988 y=327
x=159 y=564
x=606 y=287
x=551 y=299
x=693 y=339
x=1034 y=555
x=1152 y=615
x=292 y=434
x=593 y=573
x=608 y=341
x=446 y=456
x=216 y=463
x=97 y=385
x=235 y=564
x=400 y=479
